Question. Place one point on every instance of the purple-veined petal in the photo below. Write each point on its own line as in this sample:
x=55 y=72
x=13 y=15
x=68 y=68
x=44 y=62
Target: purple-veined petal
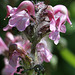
x=22 y=24
x=63 y=28
x=19 y=20
x=55 y=36
x=14 y=20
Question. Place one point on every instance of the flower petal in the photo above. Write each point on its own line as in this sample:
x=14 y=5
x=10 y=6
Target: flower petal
x=13 y=60
x=26 y=5
x=3 y=46
x=52 y=25
x=13 y=21
x=57 y=39
x=47 y=56
x=7 y=28
x=43 y=52
x=22 y=24
x=54 y=36
x=50 y=15
x=8 y=70
x=68 y=20
x=63 y=28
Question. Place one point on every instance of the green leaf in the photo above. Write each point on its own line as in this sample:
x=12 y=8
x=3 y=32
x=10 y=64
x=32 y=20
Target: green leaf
x=68 y=56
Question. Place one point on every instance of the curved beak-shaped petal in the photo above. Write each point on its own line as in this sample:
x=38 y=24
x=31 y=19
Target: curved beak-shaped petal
x=62 y=9
x=28 y=6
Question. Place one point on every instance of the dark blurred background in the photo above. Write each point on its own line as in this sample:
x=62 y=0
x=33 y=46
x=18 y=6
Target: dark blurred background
x=63 y=61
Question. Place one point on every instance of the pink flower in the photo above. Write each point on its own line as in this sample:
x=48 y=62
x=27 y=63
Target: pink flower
x=25 y=5
x=58 y=15
x=19 y=20
x=43 y=53
x=20 y=50
x=20 y=16
x=3 y=46
x=18 y=43
x=8 y=69
x=61 y=16
x=17 y=49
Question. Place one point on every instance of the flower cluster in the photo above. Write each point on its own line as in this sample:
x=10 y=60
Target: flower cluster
x=21 y=16
x=13 y=47
x=35 y=21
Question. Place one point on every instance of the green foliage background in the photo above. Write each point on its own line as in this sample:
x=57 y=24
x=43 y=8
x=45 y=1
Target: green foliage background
x=63 y=61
